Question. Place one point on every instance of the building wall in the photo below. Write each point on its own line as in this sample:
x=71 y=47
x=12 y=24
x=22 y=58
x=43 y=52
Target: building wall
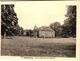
x=46 y=34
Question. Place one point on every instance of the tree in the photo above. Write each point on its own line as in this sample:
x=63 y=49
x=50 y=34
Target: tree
x=9 y=20
x=69 y=26
x=57 y=28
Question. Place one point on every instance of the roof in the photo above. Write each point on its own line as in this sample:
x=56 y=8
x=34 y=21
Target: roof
x=44 y=28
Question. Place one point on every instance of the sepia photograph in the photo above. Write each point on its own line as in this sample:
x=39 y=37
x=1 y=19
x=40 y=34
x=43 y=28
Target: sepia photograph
x=38 y=29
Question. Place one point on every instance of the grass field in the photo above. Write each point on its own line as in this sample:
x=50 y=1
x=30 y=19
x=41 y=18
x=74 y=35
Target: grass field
x=26 y=46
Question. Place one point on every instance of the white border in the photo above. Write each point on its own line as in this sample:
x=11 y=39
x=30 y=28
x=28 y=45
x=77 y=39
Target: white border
x=15 y=58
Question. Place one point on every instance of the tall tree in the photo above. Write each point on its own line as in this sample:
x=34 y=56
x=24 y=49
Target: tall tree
x=57 y=28
x=9 y=19
x=69 y=26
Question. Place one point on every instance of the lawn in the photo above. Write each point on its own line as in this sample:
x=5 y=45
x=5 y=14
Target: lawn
x=27 y=46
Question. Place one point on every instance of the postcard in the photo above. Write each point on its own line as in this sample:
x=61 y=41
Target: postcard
x=40 y=30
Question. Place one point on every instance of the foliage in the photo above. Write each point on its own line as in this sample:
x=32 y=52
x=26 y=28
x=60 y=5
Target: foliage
x=57 y=28
x=68 y=29
x=9 y=20
x=69 y=26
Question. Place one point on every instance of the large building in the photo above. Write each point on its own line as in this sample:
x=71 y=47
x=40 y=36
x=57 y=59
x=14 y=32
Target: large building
x=43 y=32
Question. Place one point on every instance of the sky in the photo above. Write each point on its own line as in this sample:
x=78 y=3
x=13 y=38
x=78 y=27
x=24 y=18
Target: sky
x=40 y=13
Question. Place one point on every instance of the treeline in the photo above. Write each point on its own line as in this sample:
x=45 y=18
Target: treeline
x=10 y=27
x=68 y=29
